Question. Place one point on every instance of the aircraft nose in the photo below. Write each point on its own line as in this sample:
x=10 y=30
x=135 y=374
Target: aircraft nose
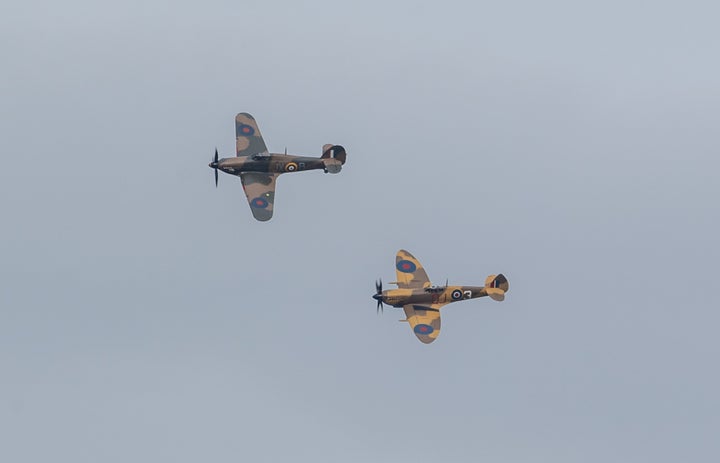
x=212 y=165
x=377 y=297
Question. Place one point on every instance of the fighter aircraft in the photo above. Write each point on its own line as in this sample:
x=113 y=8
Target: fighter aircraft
x=422 y=301
x=258 y=169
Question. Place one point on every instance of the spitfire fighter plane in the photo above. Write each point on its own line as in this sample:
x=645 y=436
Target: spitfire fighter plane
x=422 y=301
x=258 y=169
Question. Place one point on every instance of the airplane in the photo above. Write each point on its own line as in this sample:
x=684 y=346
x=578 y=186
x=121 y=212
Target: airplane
x=258 y=169
x=422 y=301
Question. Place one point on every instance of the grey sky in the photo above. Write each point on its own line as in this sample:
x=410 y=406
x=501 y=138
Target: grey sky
x=145 y=316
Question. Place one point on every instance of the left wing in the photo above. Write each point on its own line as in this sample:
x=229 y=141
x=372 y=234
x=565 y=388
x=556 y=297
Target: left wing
x=424 y=321
x=410 y=274
x=249 y=141
x=260 y=191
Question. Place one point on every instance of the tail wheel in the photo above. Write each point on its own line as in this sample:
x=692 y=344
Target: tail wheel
x=291 y=167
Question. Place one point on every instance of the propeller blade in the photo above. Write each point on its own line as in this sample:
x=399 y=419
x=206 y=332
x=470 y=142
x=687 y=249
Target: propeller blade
x=378 y=296
x=215 y=162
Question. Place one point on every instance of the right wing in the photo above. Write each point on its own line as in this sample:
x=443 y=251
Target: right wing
x=410 y=274
x=424 y=321
x=249 y=141
x=260 y=191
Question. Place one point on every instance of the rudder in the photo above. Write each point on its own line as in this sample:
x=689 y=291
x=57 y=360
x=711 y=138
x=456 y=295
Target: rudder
x=496 y=286
x=334 y=152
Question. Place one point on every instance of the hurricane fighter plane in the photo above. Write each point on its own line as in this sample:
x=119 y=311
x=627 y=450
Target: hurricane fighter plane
x=422 y=301
x=258 y=169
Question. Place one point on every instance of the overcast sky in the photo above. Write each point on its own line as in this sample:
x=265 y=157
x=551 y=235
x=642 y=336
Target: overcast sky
x=146 y=316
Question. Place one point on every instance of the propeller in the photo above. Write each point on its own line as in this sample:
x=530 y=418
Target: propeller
x=378 y=296
x=214 y=165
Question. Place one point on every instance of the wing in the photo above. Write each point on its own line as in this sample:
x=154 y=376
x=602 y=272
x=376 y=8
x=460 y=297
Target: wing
x=410 y=274
x=249 y=141
x=260 y=191
x=424 y=321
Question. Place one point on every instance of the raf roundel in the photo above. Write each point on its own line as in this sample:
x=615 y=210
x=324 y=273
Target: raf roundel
x=260 y=203
x=246 y=130
x=291 y=167
x=456 y=295
x=423 y=329
x=406 y=266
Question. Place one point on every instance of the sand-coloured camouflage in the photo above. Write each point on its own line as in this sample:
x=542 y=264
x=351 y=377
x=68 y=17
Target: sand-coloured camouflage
x=409 y=271
x=422 y=301
x=424 y=321
x=258 y=169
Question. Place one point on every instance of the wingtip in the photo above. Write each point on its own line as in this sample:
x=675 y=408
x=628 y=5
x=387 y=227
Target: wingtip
x=261 y=215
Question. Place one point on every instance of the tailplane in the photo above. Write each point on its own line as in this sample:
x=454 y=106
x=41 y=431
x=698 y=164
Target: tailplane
x=496 y=286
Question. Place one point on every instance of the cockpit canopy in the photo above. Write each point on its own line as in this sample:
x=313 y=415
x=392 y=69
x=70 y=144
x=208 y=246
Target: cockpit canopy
x=435 y=289
x=260 y=156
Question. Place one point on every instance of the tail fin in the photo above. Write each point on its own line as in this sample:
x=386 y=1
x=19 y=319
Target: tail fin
x=335 y=152
x=496 y=286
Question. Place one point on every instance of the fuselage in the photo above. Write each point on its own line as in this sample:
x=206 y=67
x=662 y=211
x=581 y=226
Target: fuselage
x=275 y=163
x=431 y=295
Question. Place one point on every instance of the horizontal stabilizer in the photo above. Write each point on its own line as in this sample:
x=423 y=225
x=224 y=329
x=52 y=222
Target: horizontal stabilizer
x=496 y=294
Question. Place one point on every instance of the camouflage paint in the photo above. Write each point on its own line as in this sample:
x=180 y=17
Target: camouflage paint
x=258 y=169
x=422 y=302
